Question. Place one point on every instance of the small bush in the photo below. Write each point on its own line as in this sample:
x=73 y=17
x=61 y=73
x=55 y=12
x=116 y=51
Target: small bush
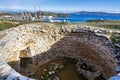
x=116 y=27
x=115 y=39
x=7 y=24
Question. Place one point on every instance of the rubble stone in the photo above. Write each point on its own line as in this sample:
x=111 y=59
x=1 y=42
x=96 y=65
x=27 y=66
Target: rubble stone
x=45 y=41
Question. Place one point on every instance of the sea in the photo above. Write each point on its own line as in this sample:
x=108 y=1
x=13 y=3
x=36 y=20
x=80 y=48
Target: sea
x=86 y=17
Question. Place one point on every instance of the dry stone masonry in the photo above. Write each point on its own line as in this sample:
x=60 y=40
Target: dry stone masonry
x=40 y=42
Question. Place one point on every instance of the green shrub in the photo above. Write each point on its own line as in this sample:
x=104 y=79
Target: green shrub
x=116 y=27
x=115 y=39
x=7 y=24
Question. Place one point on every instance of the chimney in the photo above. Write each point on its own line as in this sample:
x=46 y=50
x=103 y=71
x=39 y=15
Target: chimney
x=35 y=11
x=40 y=11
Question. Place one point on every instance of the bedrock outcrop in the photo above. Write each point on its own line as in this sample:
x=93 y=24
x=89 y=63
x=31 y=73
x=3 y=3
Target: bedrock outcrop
x=44 y=41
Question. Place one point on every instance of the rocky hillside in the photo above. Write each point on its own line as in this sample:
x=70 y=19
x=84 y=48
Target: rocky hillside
x=43 y=41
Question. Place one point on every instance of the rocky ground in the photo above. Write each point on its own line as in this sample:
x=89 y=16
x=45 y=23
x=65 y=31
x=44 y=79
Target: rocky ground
x=38 y=43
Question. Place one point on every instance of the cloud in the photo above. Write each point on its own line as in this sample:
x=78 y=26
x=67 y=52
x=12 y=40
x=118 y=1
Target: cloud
x=12 y=7
x=61 y=5
x=17 y=4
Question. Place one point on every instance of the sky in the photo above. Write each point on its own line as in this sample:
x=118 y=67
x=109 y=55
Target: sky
x=62 y=5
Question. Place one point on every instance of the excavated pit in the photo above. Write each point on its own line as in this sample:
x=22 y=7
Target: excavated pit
x=28 y=47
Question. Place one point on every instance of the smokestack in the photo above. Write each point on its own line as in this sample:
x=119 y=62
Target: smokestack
x=35 y=11
x=40 y=11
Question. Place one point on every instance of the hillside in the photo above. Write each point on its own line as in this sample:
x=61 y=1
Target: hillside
x=96 y=13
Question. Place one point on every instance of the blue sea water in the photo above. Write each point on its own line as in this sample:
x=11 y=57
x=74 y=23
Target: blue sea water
x=85 y=17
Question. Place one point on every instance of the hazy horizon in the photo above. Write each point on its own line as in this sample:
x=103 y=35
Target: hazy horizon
x=64 y=6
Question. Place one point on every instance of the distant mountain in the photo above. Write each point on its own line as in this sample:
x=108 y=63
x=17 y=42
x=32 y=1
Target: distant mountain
x=4 y=13
x=43 y=13
x=95 y=13
x=11 y=10
x=53 y=14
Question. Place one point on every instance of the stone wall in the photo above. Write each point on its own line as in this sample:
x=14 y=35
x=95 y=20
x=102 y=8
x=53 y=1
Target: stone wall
x=45 y=41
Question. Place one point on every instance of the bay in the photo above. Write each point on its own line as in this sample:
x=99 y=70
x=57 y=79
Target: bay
x=85 y=17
